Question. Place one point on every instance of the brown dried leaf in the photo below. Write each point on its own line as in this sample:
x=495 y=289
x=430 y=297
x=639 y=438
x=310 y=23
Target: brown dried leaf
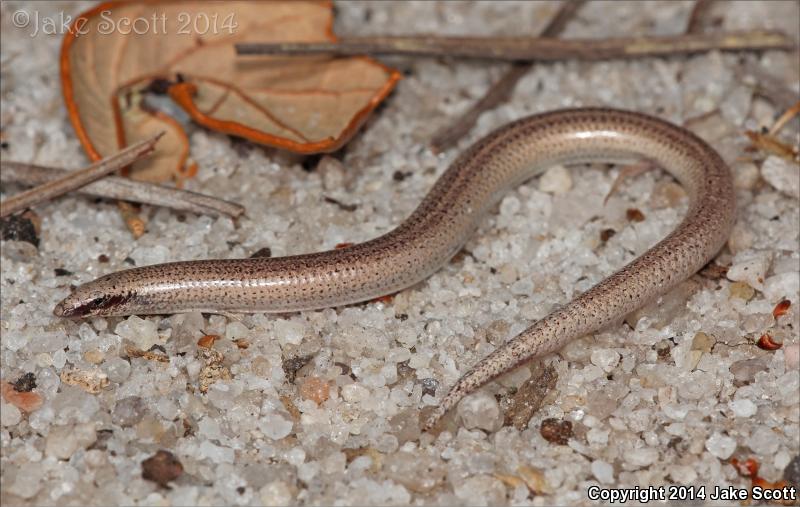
x=307 y=105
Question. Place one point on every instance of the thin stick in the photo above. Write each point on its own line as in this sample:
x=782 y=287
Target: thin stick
x=115 y=187
x=501 y=90
x=529 y=48
x=785 y=118
x=76 y=179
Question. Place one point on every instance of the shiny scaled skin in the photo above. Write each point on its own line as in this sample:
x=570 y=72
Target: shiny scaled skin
x=439 y=227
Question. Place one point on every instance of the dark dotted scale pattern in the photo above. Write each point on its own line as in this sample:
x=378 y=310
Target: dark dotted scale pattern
x=441 y=224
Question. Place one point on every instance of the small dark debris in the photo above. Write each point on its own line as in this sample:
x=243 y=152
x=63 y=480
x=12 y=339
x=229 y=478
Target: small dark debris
x=459 y=257
x=403 y=316
x=19 y=228
x=103 y=258
x=663 y=353
x=311 y=162
x=674 y=442
x=241 y=490
x=556 y=431
x=607 y=234
x=493 y=271
x=292 y=365
x=401 y=175
x=180 y=218
x=162 y=468
x=634 y=215
x=713 y=271
x=350 y=453
x=4 y=145
x=528 y=399
x=791 y=473
x=403 y=369
x=188 y=428
x=103 y=436
x=345 y=368
x=158 y=86
x=25 y=383
x=262 y=252
x=157 y=347
x=129 y=260
x=62 y=272
x=429 y=386
x=341 y=205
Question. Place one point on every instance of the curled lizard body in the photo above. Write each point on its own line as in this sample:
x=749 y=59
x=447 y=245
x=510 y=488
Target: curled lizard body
x=440 y=226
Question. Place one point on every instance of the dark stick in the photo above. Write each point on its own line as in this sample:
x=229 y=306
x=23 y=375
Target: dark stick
x=74 y=180
x=530 y=48
x=501 y=91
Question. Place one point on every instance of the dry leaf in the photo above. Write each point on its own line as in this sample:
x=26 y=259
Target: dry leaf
x=308 y=105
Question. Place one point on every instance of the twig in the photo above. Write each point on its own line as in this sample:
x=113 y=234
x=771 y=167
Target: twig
x=501 y=90
x=698 y=16
x=785 y=118
x=529 y=48
x=768 y=144
x=115 y=187
x=76 y=179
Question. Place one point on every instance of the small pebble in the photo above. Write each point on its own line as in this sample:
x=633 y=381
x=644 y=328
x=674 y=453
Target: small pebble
x=782 y=175
x=277 y=493
x=667 y=194
x=743 y=408
x=556 y=180
x=744 y=371
x=161 y=468
x=480 y=411
x=315 y=389
x=418 y=472
x=603 y=471
x=117 y=369
x=128 y=411
x=63 y=441
x=9 y=415
x=741 y=290
x=720 y=445
x=480 y=490
x=634 y=215
x=750 y=266
x=745 y=176
x=143 y=333
x=703 y=342
x=556 y=431
x=791 y=356
x=606 y=359
x=275 y=426
x=25 y=401
x=28 y=481
x=741 y=238
x=93 y=356
x=642 y=457
x=763 y=440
